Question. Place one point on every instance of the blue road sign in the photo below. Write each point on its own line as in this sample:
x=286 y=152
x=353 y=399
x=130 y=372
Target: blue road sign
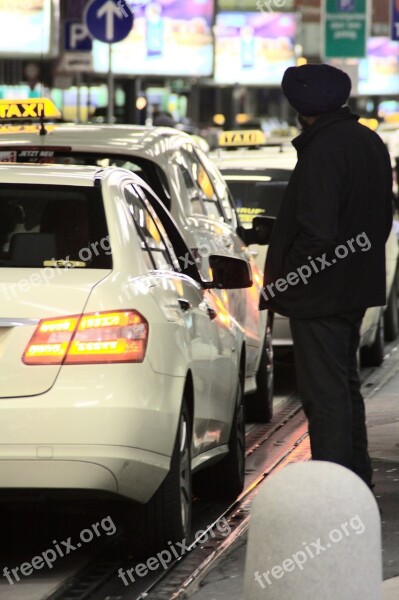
x=395 y=20
x=109 y=21
x=77 y=37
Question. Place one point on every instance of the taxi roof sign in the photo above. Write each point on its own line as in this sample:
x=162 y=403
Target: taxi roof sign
x=251 y=137
x=31 y=108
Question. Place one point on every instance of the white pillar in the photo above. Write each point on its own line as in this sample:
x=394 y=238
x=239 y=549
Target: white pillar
x=314 y=534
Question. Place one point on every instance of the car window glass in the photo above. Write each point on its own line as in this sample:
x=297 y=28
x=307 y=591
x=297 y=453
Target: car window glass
x=256 y=194
x=155 y=251
x=146 y=199
x=54 y=226
x=201 y=178
x=220 y=186
x=190 y=184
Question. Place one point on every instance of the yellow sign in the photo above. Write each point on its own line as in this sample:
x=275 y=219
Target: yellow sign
x=251 y=137
x=247 y=213
x=32 y=108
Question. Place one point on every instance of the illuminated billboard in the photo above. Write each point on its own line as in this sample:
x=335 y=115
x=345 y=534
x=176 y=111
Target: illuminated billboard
x=379 y=72
x=254 y=48
x=26 y=28
x=169 y=37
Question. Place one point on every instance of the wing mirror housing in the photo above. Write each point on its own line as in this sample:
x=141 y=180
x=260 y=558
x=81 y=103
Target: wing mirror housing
x=229 y=273
x=259 y=233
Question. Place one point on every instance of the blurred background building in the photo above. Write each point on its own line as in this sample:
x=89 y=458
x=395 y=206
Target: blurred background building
x=203 y=62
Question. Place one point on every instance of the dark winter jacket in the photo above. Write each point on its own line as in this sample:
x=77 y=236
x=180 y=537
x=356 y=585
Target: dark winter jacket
x=327 y=251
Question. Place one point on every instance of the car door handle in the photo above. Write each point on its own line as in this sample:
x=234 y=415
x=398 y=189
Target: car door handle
x=212 y=314
x=184 y=304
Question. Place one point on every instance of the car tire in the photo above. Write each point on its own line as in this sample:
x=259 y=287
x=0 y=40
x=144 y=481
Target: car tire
x=225 y=480
x=167 y=516
x=259 y=405
x=391 y=321
x=373 y=356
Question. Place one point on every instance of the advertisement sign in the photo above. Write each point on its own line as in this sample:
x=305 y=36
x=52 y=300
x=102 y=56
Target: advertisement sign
x=395 y=20
x=379 y=72
x=25 y=27
x=169 y=37
x=345 y=24
x=254 y=48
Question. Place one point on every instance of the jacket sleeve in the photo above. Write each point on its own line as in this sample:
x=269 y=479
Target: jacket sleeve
x=320 y=189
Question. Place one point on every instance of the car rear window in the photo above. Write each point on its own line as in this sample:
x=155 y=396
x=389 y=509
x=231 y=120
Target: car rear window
x=257 y=194
x=53 y=226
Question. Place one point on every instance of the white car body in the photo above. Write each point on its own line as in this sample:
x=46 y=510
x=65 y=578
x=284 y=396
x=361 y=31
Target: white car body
x=110 y=427
x=174 y=157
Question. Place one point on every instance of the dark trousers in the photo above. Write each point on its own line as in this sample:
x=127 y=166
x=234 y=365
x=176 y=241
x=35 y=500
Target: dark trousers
x=328 y=383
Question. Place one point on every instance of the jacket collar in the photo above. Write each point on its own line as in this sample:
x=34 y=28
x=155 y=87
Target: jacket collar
x=330 y=118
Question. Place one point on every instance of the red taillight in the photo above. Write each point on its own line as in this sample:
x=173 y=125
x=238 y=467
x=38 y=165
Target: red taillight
x=104 y=337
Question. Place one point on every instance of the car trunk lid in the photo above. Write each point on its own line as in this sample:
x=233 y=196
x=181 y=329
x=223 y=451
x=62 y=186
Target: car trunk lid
x=26 y=297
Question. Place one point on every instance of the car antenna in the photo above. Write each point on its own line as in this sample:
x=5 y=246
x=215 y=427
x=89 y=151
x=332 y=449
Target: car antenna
x=43 y=130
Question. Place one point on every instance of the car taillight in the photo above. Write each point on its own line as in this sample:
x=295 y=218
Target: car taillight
x=103 y=337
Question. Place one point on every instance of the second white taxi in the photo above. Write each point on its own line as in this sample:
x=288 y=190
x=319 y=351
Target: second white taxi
x=188 y=184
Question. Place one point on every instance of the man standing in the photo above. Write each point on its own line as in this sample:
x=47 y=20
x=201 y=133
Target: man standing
x=326 y=259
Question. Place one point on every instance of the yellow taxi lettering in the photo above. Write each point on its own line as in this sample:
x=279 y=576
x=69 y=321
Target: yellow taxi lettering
x=242 y=138
x=14 y=111
x=28 y=109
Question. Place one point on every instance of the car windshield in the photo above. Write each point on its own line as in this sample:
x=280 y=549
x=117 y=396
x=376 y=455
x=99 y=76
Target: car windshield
x=257 y=193
x=53 y=226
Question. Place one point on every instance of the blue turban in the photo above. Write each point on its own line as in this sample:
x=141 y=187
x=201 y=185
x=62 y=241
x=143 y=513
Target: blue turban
x=316 y=89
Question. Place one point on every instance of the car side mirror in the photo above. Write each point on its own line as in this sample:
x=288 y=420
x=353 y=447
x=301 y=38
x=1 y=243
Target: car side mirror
x=229 y=273
x=259 y=233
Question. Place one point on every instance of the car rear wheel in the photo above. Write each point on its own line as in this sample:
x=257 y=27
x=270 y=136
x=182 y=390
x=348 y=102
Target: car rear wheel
x=259 y=405
x=391 y=322
x=167 y=516
x=225 y=480
x=373 y=356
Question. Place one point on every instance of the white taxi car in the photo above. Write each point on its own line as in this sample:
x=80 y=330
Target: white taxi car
x=191 y=187
x=121 y=370
x=257 y=174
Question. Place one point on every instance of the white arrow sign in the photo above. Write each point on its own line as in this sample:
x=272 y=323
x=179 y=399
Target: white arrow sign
x=109 y=10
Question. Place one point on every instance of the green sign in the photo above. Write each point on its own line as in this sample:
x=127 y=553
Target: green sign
x=345 y=28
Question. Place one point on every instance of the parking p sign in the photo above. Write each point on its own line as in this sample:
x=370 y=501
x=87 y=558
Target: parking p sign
x=77 y=37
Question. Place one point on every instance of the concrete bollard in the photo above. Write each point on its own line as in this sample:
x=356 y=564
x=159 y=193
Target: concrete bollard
x=315 y=533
